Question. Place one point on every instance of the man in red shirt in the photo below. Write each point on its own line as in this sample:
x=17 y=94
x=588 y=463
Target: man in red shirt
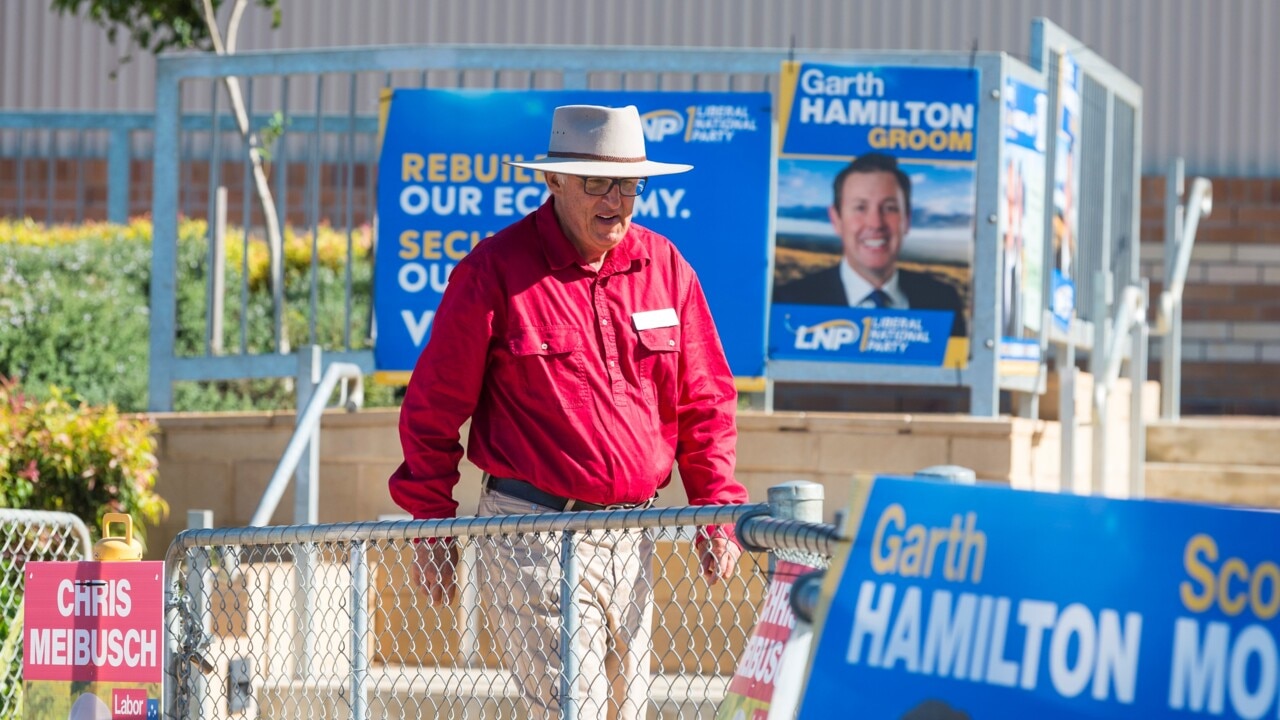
x=582 y=349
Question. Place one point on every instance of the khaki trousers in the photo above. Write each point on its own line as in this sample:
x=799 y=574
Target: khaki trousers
x=521 y=577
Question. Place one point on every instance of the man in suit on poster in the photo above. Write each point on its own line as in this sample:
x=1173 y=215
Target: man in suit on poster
x=871 y=213
x=1011 y=289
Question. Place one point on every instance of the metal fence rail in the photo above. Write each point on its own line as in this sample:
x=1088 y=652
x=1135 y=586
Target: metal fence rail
x=27 y=536
x=73 y=166
x=328 y=87
x=326 y=621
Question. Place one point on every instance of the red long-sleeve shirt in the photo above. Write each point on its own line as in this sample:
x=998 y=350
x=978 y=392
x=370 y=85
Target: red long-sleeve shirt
x=566 y=388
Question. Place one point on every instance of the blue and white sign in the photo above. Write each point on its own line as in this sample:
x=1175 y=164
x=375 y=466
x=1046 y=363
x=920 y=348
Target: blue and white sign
x=443 y=188
x=809 y=332
x=914 y=113
x=1066 y=191
x=1021 y=218
x=875 y=219
x=985 y=602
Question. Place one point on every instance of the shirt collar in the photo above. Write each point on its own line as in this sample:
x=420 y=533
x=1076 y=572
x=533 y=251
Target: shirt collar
x=560 y=252
x=856 y=288
x=555 y=244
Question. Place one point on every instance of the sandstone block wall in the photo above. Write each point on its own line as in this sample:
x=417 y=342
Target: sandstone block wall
x=223 y=462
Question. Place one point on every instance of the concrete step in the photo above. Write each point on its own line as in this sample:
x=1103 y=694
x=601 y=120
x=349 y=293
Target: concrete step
x=1220 y=483
x=396 y=691
x=1216 y=440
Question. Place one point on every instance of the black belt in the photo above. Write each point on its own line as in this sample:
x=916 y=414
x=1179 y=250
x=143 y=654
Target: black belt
x=524 y=491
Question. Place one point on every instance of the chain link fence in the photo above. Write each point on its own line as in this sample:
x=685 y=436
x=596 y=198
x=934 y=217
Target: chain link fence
x=327 y=621
x=27 y=536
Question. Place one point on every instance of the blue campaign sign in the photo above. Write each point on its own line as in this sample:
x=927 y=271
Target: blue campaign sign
x=914 y=113
x=1025 y=108
x=841 y=334
x=443 y=188
x=1066 y=190
x=1021 y=217
x=877 y=184
x=975 y=601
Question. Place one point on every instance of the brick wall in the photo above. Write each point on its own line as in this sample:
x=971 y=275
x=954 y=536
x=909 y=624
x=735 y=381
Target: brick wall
x=1231 y=319
x=1231 y=305
x=79 y=191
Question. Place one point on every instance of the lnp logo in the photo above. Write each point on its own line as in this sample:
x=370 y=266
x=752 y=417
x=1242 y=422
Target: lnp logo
x=830 y=335
x=658 y=124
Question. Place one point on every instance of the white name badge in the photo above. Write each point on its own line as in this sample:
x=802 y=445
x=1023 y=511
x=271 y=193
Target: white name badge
x=650 y=319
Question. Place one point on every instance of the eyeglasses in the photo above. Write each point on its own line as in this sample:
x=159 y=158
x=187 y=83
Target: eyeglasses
x=629 y=187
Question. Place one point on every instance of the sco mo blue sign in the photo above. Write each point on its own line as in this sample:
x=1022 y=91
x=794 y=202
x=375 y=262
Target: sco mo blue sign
x=443 y=187
x=985 y=602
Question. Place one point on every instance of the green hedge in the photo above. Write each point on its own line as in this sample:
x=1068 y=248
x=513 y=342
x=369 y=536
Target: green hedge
x=74 y=310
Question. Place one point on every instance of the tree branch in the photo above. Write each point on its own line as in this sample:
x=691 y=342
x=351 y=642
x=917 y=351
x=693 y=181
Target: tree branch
x=270 y=217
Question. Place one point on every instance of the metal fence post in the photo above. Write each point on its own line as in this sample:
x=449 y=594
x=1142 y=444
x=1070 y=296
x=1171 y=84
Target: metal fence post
x=218 y=269
x=797 y=500
x=568 y=628
x=957 y=474
x=1102 y=331
x=1137 y=386
x=199 y=577
x=306 y=510
x=306 y=498
x=164 y=237
x=1065 y=360
x=359 y=630
x=469 y=609
x=118 y=156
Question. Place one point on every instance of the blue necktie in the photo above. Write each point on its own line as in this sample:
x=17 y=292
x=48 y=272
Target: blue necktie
x=878 y=299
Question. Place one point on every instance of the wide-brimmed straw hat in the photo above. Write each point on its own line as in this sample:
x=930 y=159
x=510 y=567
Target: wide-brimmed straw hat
x=595 y=141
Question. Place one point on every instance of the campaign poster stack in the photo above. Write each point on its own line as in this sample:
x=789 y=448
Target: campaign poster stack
x=923 y=118
x=1066 y=191
x=1021 y=226
x=443 y=187
x=93 y=640
x=985 y=602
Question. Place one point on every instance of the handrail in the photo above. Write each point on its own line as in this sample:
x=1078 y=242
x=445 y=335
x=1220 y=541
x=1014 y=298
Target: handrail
x=307 y=428
x=1199 y=204
x=1129 y=311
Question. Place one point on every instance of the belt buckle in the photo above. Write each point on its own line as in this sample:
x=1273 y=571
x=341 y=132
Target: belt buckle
x=630 y=506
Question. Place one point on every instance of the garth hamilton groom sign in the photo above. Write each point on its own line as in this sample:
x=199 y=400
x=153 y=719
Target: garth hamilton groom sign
x=1014 y=604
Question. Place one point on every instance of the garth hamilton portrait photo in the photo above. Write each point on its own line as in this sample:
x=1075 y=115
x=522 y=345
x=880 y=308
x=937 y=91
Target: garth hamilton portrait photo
x=875 y=232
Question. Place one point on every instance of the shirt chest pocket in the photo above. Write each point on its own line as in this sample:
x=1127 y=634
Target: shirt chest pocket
x=550 y=362
x=659 y=362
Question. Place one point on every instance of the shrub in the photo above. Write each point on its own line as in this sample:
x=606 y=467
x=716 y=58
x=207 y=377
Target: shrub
x=74 y=309
x=56 y=454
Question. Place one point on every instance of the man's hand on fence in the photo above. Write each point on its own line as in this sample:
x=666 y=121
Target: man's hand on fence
x=719 y=558
x=434 y=563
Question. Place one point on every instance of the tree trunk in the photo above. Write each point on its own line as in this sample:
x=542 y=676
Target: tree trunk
x=275 y=239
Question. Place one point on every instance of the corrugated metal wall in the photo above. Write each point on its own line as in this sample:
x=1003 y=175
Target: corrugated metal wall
x=1207 y=67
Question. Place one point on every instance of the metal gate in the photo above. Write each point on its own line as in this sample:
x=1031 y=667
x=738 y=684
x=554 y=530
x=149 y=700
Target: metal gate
x=325 y=621
x=28 y=536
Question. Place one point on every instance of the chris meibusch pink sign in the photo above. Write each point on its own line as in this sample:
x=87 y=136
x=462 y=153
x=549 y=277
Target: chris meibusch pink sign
x=95 y=622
